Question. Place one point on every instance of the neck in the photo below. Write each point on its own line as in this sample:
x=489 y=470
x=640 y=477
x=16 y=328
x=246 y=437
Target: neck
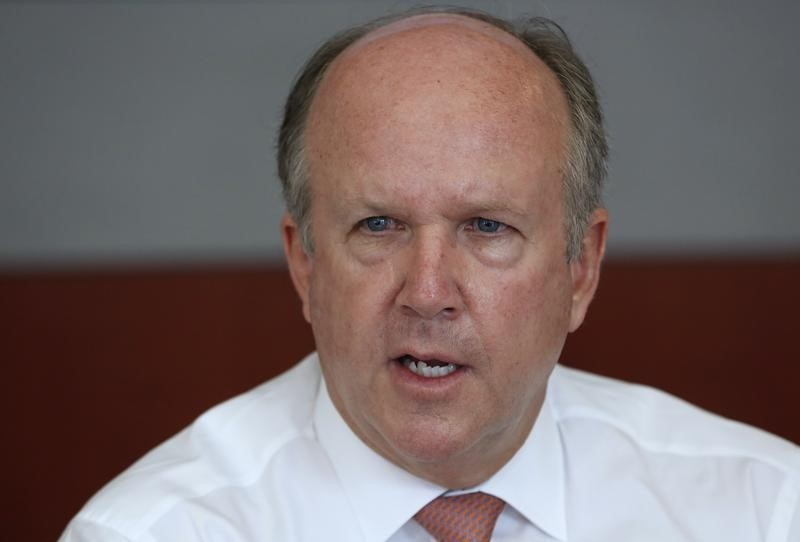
x=474 y=466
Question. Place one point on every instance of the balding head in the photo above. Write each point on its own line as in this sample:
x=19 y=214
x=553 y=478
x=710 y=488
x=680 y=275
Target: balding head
x=431 y=87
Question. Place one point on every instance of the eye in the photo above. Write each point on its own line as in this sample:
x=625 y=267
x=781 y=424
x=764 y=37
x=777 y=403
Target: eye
x=377 y=223
x=486 y=225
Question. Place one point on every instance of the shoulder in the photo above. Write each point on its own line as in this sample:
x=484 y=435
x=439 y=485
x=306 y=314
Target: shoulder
x=227 y=448
x=631 y=445
x=662 y=423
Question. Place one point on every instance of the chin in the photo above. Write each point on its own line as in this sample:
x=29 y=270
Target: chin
x=432 y=442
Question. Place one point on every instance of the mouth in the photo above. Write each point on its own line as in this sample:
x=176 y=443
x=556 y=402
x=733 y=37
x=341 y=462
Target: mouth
x=428 y=368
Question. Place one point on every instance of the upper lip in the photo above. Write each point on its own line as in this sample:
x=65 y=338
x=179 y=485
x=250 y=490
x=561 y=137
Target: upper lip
x=427 y=355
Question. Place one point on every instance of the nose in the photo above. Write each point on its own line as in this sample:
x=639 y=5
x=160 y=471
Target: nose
x=430 y=289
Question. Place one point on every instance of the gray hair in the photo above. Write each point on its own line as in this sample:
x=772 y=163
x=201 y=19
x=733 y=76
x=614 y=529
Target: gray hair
x=587 y=149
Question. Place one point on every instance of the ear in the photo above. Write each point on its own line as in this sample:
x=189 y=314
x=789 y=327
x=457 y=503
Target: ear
x=585 y=268
x=299 y=262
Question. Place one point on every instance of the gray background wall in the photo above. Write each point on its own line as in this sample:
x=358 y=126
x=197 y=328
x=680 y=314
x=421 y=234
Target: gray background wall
x=142 y=132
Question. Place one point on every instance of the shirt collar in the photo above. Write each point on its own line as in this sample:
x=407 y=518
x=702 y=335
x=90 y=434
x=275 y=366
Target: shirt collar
x=533 y=479
x=384 y=497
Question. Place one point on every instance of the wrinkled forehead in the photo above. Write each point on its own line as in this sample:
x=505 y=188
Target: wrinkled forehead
x=447 y=91
x=443 y=61
x=462 y=49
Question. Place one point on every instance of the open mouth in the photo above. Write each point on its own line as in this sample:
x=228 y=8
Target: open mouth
x=430 y=368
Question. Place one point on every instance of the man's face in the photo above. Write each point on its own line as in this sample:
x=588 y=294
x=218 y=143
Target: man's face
x=438 y=228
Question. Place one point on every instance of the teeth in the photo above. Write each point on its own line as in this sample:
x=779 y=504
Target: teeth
x=421 y=368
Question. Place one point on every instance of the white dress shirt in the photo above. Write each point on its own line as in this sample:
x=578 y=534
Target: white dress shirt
x=605 y=461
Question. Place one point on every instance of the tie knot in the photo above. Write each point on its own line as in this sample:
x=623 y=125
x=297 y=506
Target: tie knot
x=464 y=518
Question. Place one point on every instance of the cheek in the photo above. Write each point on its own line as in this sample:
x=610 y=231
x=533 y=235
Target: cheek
x=346 y=302
x=524 y=316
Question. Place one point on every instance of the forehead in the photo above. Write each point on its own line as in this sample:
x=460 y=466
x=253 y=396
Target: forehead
x=453 y=51
x=434 y=86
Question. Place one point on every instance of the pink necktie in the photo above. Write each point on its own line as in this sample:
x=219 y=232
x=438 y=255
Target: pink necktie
x=464 y=518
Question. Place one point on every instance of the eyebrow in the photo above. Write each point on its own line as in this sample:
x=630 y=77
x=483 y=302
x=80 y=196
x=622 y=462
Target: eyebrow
x=496 y=207
x=472 y=209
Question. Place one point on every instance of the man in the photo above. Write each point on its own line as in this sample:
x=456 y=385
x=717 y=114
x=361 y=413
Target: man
x=442 y=172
